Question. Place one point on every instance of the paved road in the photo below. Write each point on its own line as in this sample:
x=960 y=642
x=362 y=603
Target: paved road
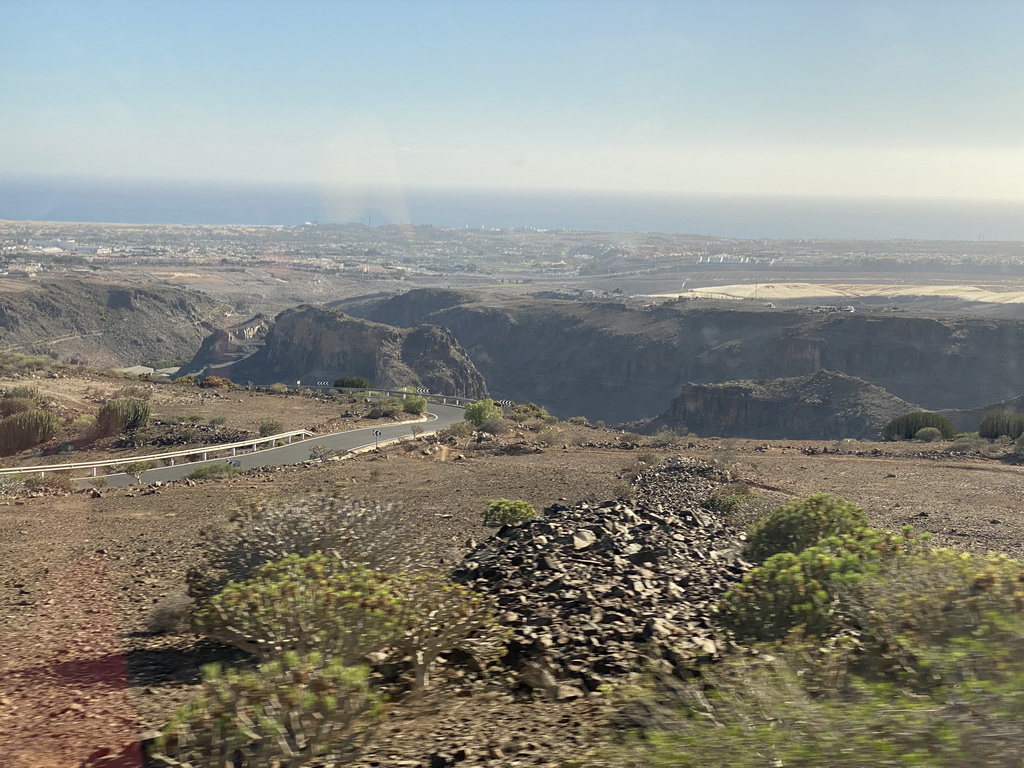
x=439 y=417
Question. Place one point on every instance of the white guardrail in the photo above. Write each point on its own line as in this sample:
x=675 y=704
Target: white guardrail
x=233 y=448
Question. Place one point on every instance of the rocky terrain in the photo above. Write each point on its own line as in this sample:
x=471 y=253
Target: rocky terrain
x=820 y=406
x=106 y=323
x=610 y=361
x=315 y=343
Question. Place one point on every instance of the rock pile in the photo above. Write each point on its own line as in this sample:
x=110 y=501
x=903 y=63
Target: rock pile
x=589 y=591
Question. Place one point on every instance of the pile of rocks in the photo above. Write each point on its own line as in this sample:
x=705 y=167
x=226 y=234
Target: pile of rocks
x=589 y=592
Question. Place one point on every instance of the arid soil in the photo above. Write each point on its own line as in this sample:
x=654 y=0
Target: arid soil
x=83 y=676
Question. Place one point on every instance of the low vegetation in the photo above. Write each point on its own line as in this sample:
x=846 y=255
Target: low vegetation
x=508 y=512
x=213 y=471
x=123 y=414
x=907 y=426
x=353 y=382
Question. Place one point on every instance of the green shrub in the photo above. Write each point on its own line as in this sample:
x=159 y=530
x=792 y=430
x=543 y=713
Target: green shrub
x=906 y=426
x=524 y=412
x=998 y=423
x=123 y=414
x=216 y=382
x=456 y=431
x=414 y=404
x=27 y=429
x=928 y=434
x=803 y=523
x=306 y=604
x=278 y=389
x=218 y=421
x=508 y=512
x=353 y=382
x=270 y=427
x=296 y=710
x=942 y=618
x=805 y=591
x=482 y=411
x=211 y=471
x=381 y=537
x=83 y=424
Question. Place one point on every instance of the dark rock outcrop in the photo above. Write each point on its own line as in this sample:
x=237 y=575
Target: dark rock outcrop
x=589 y=592
x=618 y=363
x=317 y=344
x=820 y=406
x=228 y=345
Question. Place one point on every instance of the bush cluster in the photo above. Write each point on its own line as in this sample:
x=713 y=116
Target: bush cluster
x=414 y=404
x=995 y=424
x=801 y=524
x=907 y=426
x=482 y=411
x=353 y=382
x=311 y=590
x=26 y=429
x=122 y=414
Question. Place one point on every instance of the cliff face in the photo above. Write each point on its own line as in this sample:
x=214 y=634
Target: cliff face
x=317 y=344
x=820 y=406
x=228 y=345
x=607 y=361
x=105 y=324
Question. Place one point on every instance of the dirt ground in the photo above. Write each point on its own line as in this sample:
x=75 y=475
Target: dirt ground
x=82 y=675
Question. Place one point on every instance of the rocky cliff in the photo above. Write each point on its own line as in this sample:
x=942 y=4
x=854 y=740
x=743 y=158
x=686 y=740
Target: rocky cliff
x=612 y=362
x=105 y=324
x=318 y=344
x=820 y=406
x=228 y=345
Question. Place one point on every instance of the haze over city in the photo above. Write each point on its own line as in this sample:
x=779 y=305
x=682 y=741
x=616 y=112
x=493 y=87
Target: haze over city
x=362 y=106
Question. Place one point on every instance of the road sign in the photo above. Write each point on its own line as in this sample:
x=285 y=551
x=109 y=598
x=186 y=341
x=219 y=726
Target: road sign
x=377 y=433
x=323 y=383
x=423 y=391
x=376 y=437
x=504 y=403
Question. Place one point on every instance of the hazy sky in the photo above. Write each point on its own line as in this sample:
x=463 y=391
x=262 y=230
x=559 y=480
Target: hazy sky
x=853 y=97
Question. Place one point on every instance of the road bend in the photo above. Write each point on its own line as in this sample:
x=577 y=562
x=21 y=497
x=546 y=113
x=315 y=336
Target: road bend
x=438 y=417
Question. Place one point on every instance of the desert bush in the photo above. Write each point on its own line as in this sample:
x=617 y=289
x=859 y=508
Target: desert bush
x=187 y=381
x=549 y=437
x=942 y=618
x=11 y=405
x=482 y=411
x=100 y=481
x=928 y=434
x=123 y=414
x=290 y=712
x=664 y=438
x=391 y=407
x=26 y=429
x=15 y=364
x=218 y=421
x=11 y=483
x=278 y=388
x=525 y=411
x=133 y=390
x=906 y=426
x=752 y=712
x=376 y=536
x=353 y=382
x=508 y=512
x=494 y=427
x=579 y=421
x=84 y=424
x=998 y=423
x=22 y=392
x=437 y=615
x=135 y=469
x=804 y=591
x=269 y=427
x=213 y=471
x=455 y=431
x=414 y=404
x=216 y=382
x=51 y=481
x=320 y=453
x=306 y=604
x=803 y=523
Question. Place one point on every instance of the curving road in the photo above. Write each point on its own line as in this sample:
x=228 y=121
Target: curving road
x=439 y=417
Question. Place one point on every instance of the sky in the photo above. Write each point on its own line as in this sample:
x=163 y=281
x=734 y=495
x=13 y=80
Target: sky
x=863 y=99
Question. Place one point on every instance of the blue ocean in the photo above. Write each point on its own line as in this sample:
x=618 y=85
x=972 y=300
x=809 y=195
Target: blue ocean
x=107 y=200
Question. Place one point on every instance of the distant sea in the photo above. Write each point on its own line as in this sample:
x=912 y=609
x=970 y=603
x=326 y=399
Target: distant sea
x=84 y=200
